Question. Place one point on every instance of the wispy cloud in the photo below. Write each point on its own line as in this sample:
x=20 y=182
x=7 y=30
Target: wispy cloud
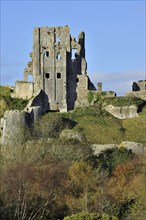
x=118 y=82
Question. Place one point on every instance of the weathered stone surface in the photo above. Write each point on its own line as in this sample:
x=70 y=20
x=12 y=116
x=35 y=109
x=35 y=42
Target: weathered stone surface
x=14 y=126
x=139 y=86
x=122 y=112
x=58 y=67
x=23 y=90
x=137 y=94
x=98 y=148
x=137 y=148
x=71 y=134
x=40 y=100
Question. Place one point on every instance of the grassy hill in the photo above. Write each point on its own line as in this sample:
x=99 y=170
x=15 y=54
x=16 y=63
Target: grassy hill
x=94 y=123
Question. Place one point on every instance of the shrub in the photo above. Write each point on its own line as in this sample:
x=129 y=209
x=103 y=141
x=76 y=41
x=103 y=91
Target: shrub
x=90 y=216
x=90 y=96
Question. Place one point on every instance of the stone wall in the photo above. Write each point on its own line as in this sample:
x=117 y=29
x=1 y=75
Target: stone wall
x=137 y=94
x=122 y=112
x=57 y=63
x=23 y=90
x=139 y=86
x=14 y=127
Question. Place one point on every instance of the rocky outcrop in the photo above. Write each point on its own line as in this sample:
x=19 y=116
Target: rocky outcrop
x=122 y=112
x=98 y=148
x=71 y=134
x=137 y=148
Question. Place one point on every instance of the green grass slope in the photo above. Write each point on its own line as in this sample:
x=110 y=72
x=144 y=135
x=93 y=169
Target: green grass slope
x=8 y=103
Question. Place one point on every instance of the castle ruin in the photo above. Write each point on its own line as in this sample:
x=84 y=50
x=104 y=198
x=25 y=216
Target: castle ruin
x=58 y=67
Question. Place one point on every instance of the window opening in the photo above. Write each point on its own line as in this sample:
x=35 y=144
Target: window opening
x=47 y=75
x=30 y=78
x=46 y=54
x=73 y=54
x=57 y=39
x=77 y=80
x=58 y=75
x=58 y=57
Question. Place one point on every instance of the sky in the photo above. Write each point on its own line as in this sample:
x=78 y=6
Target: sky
x=114 y=37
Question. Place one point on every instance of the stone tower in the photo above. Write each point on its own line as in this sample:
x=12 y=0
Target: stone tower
x=58 y=67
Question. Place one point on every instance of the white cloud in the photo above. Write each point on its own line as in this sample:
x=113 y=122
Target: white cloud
x=118 y=82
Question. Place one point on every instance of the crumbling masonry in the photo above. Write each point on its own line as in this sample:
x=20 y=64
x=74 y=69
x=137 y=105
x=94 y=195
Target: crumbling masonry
x=58 y=67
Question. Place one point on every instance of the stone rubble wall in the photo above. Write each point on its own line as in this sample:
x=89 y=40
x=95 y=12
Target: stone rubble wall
x=23 y=90
x=137 y=94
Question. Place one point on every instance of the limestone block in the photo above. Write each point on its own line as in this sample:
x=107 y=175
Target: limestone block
x=71 y=134
x=122 y=112
x=137 y=148
x=98 y=148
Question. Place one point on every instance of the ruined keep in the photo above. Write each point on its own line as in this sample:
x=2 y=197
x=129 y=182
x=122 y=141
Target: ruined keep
x=58 y=67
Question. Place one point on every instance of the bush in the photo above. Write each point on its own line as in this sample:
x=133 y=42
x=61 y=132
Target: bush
x=90 y=216
x=90 y=96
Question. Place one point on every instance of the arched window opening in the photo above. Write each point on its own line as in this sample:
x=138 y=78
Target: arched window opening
x=73 y=54
x=30 y=78
x=58 y=56
x=47 y=75
x=58 y=75
x=46 y=53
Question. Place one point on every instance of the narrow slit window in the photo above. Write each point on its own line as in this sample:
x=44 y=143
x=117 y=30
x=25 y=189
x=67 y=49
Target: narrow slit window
x=77 y=80
x=47 y=75
x=46 y=54
x=58 y=57
x=58 y=75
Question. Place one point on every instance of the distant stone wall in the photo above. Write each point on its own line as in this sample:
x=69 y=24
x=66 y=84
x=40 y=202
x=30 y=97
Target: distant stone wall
x=122 y=112
x=139 y=86
x=23 y=90
x=82 y=90
x=137 y=94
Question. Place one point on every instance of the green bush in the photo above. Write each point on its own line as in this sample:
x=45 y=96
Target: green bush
x=90 y=96
x=90 y=216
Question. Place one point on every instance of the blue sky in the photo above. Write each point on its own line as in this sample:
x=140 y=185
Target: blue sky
x=115 y=37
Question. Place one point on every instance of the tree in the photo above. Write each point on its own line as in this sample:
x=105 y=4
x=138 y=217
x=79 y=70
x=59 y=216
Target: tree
x=127 y=187
x=31 y=191
x=82 y=185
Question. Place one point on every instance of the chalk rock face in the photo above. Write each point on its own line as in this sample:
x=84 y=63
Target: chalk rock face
x=137 y=148
x=98 y=148
x=71 y=134
x=122 y=112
